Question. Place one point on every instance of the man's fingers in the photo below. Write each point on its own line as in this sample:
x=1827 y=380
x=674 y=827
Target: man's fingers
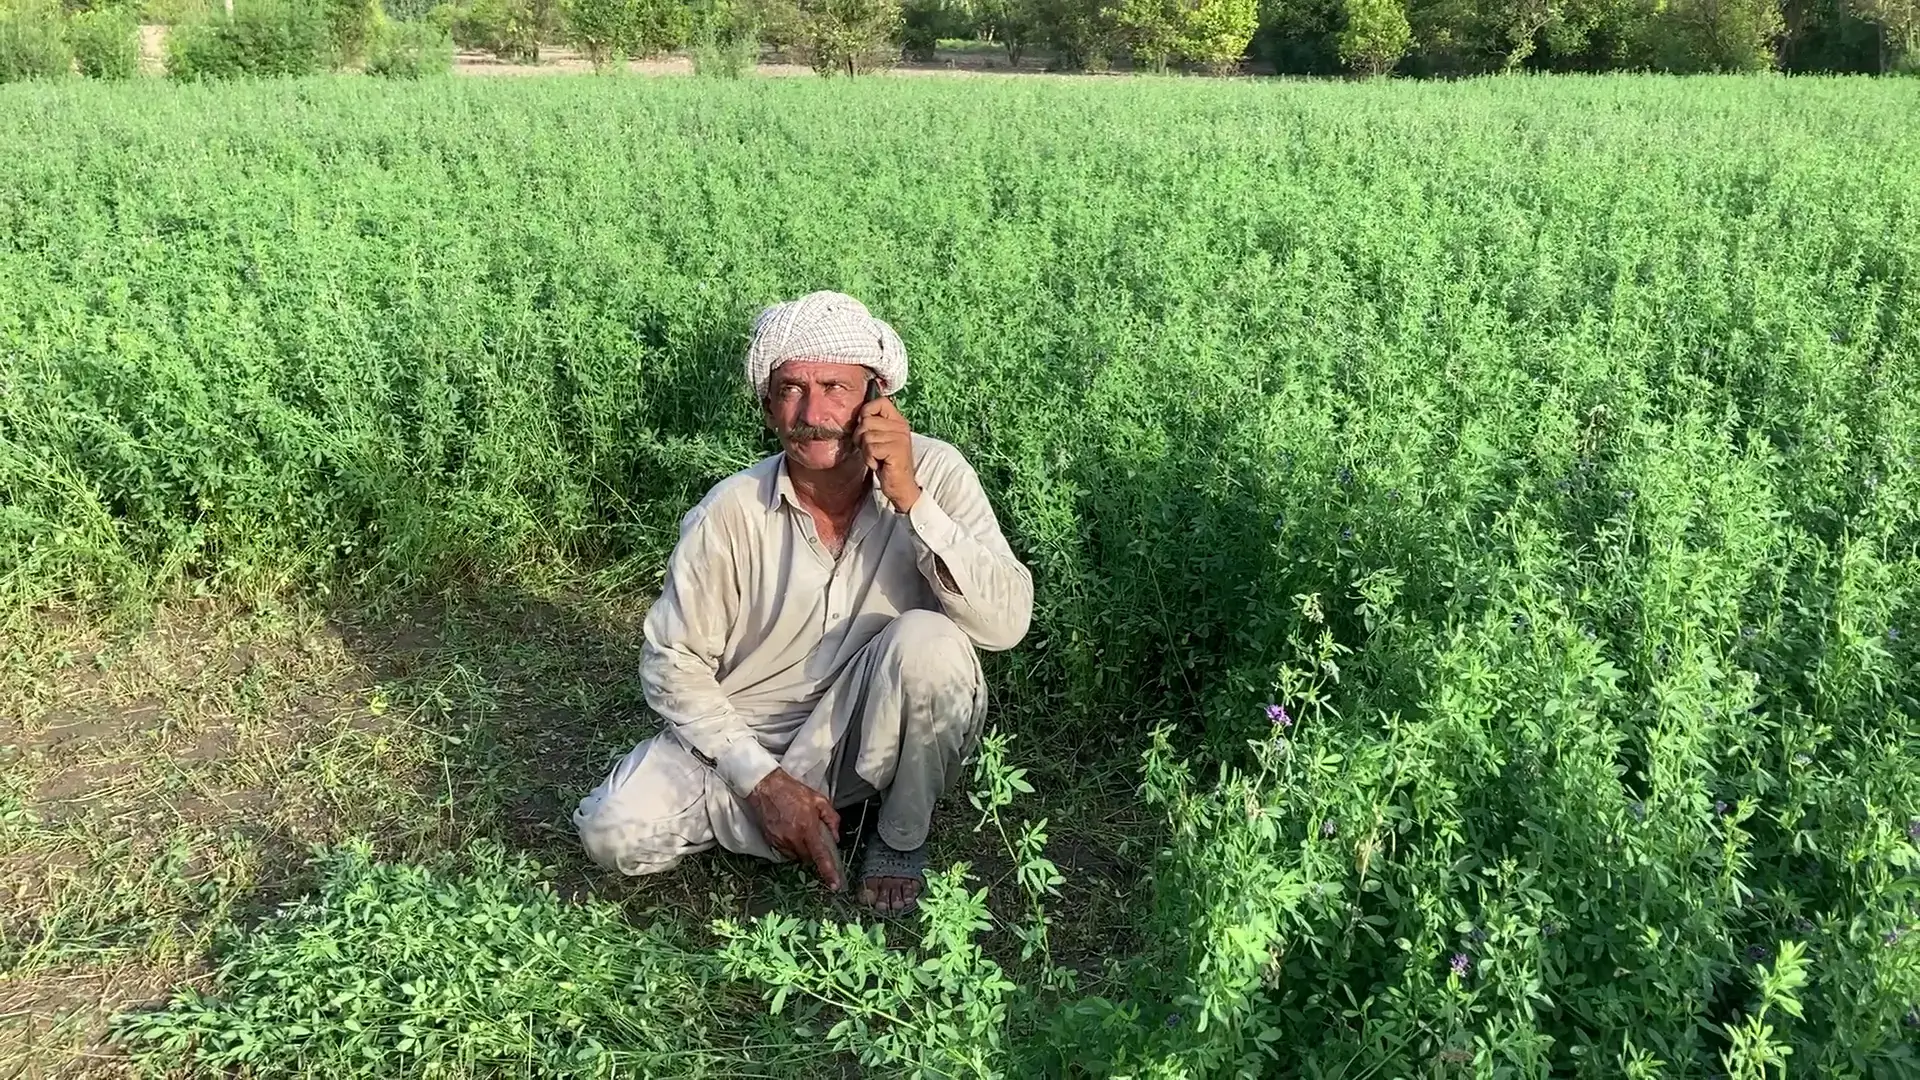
x=824 y=862
x=885 y=443
x=882 y=408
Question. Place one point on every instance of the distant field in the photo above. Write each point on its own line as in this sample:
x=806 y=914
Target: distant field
x=1545 y=447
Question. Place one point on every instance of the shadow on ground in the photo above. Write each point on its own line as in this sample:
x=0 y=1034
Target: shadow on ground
x=162 y=786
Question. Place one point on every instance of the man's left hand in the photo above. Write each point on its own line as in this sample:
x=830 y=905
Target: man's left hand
x=884 y=437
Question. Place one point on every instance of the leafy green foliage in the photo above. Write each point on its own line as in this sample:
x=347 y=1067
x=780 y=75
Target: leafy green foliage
x=844 y=37
x=351 y=26
x=106 y=43
x=609 y=30
x=726 y=37
x=1211 y=34
x=397 y=969
x=410 y=50
x=1015 y=24
x=174 y=12
x=32 y=42
x=924 y=22
x=1543 y=452
x=1215 y=33
x=264 y=38
x=511 y=29
x=1376 y=35
x=1715 y=35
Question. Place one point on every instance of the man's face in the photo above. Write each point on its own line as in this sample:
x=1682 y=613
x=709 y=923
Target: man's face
x=811 y=406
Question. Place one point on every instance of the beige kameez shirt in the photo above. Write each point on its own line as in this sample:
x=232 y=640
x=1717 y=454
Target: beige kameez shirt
x=758 y=618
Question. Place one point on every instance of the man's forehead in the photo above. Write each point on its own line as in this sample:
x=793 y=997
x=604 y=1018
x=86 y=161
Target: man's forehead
x=804 y=371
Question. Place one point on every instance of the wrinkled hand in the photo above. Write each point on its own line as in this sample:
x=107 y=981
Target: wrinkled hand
x=791 y=815
x=884 y=437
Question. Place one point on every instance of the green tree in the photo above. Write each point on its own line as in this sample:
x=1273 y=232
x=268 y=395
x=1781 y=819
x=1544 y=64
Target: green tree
x=106 y=43
x=1151 y=30
x=1714 y=35
x=410 y=50
x=31 y=41
x=1015 y=24
x=661 y=26
x=1899 y=25
x=1300 y=37
x=510 y=29
x=1376 y=36
x=1081 y=34
x=600 y=29
x=1217 y=33
x=351 y=25
x=726 y=37
x=848 y=36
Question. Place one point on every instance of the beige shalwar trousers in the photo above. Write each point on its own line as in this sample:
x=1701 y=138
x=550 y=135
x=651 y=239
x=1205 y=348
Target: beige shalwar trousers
x=899 y=721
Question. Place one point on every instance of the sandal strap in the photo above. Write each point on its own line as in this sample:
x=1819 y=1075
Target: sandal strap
x=879 y=860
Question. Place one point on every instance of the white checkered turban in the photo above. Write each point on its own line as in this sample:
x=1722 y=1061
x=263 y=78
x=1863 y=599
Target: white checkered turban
x=825 y=326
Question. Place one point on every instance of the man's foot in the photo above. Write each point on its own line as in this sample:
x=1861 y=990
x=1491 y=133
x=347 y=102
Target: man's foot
x=890 y=880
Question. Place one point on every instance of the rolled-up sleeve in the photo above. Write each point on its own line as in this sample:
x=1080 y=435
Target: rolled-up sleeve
x=954 y=526
x=685 y=637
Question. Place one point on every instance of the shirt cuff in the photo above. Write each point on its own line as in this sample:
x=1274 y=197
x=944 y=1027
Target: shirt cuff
x=931 y=523
x=743 y=764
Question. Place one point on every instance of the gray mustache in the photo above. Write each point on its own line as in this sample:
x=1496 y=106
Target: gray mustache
x=803 y=432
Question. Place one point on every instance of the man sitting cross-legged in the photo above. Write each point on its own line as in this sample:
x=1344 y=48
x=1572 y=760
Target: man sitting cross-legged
x=814 y=644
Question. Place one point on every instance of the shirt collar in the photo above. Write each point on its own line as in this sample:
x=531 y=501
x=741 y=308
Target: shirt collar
x=782 y=488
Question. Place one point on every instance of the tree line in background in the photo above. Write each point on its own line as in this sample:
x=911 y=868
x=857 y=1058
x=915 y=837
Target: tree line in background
x=101 y=38
x=1436 y=38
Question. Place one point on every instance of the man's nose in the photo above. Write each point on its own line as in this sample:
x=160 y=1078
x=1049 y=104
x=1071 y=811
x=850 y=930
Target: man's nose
x=817 y=411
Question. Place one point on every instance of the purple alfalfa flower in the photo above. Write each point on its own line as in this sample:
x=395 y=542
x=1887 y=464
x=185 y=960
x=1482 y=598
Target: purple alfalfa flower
x=1394 y=495
x=1460 y=964
x=1758 y=953
x=1277 y=716
x=1720 y=808
x=1346 y=477
x=1173 y=1020
x=1912 y=1019
x=1279 y=522
x=1346 y=533
x=1913 y=829
x=1747 y=633
x=1891 y=937
x=1638 y=809
x=1328 y=828
x=1549 y=929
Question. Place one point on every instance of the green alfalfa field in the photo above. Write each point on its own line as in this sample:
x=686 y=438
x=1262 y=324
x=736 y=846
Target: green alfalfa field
x=1544 y=447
